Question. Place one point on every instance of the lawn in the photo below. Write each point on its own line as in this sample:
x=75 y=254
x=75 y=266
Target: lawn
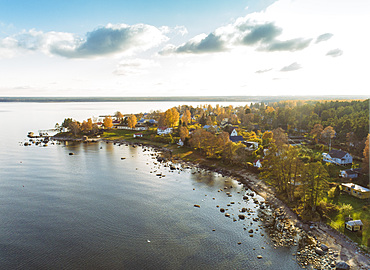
x=361 y=210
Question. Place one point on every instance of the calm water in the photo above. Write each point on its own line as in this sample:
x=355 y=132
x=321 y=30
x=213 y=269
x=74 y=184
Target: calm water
x=96 y=211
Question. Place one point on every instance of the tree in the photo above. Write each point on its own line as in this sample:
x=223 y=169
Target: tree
x=171 y=117
x=108 y=122
x=351 y=139
x=87 y=126
x=186 y=117
x=328 y=133
x=365 y=164
x=74 y=127
x=118 y=115
x=161 y=120
x=184 y=133
x=316 y=183
x=316 y=132
x=66 y=122
x=131 y=121
x=280 y=138
x=267 y=138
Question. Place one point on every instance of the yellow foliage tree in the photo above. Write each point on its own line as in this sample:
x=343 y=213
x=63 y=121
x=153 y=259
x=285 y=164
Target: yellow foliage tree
x=171 y=117
x=186 y=117
x=108 y=122
x=132 y=121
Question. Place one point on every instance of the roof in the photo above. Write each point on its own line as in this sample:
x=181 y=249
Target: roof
x=337 y=153
x=162 y=128
x=350 y=171
x=357 y=222
x=236 y=138
x=356 y=187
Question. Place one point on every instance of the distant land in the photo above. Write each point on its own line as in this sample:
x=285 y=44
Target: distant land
x=181 y=98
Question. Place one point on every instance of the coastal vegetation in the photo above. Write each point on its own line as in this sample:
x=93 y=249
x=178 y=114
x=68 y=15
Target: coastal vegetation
x=287 y=137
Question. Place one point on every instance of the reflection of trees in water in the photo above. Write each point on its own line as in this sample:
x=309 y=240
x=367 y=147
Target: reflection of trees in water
x=205 y=177
x=212 y=179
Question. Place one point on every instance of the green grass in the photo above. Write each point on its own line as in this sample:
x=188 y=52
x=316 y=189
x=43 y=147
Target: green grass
x=361 y=210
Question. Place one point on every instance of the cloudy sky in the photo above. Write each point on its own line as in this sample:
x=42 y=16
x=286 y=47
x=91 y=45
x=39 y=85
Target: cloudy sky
x=177 y=48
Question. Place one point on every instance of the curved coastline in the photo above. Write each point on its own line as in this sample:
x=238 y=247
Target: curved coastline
x=315 y=233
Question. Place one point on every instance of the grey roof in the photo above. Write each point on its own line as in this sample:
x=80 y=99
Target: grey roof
x=337 y=153
x=350 y=171
x=357 y=222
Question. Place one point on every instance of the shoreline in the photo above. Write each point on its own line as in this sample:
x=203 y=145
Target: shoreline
x=345 y=249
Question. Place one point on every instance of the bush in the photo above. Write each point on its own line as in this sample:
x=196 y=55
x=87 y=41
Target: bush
x=326 y=208
x=345 y=209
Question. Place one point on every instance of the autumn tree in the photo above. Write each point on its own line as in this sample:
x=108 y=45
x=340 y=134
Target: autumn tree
x=161 y=120
x=186 y=117
x=280 y=138
x=87 y=125
x=267 y=138
x=131 y=121
x=328 y=133
x=118 y=115
x=184 y=133
x=171 y=117
x=316 y=132
x=365 y=163
x=108 y=122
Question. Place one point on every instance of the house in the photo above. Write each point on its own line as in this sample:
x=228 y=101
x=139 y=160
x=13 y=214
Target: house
x=337 y=157
x=234 y=133
x=180 y=143
x=138 y=135
x=207 y=127
x=354 y=225
x=234 y=137
x=164 y=130
x=350 y=173
x=251 y=145
x=257 y=163
x=356 y=190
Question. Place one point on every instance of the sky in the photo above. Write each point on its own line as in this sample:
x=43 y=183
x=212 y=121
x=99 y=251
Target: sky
x=184 y=48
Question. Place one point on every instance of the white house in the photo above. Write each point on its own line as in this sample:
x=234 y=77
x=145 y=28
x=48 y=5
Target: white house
x=337 y=157
x=251 y=145
x=180 y=143
x=164 y=130
x=138 y=135
x=234 y=133
x=257 y=163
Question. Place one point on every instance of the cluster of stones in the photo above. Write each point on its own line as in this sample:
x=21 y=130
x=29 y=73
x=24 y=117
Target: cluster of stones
x=320 y=257
x=282 y=230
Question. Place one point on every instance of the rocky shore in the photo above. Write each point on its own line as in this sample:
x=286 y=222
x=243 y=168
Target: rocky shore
x=319 y=247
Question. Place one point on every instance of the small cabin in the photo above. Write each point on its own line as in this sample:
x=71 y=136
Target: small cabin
x=354 y=225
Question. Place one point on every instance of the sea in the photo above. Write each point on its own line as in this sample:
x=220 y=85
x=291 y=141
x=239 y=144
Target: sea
x=106 y=207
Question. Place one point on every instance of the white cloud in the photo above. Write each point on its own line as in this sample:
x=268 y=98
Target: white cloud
x=292 y=67
x=103 y=41
x=334 y=53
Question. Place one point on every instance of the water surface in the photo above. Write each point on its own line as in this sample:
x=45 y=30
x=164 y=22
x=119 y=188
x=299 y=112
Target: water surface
x=94 y=210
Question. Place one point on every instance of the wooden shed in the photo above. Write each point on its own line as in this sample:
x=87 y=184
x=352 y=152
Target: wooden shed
x=354 y=225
